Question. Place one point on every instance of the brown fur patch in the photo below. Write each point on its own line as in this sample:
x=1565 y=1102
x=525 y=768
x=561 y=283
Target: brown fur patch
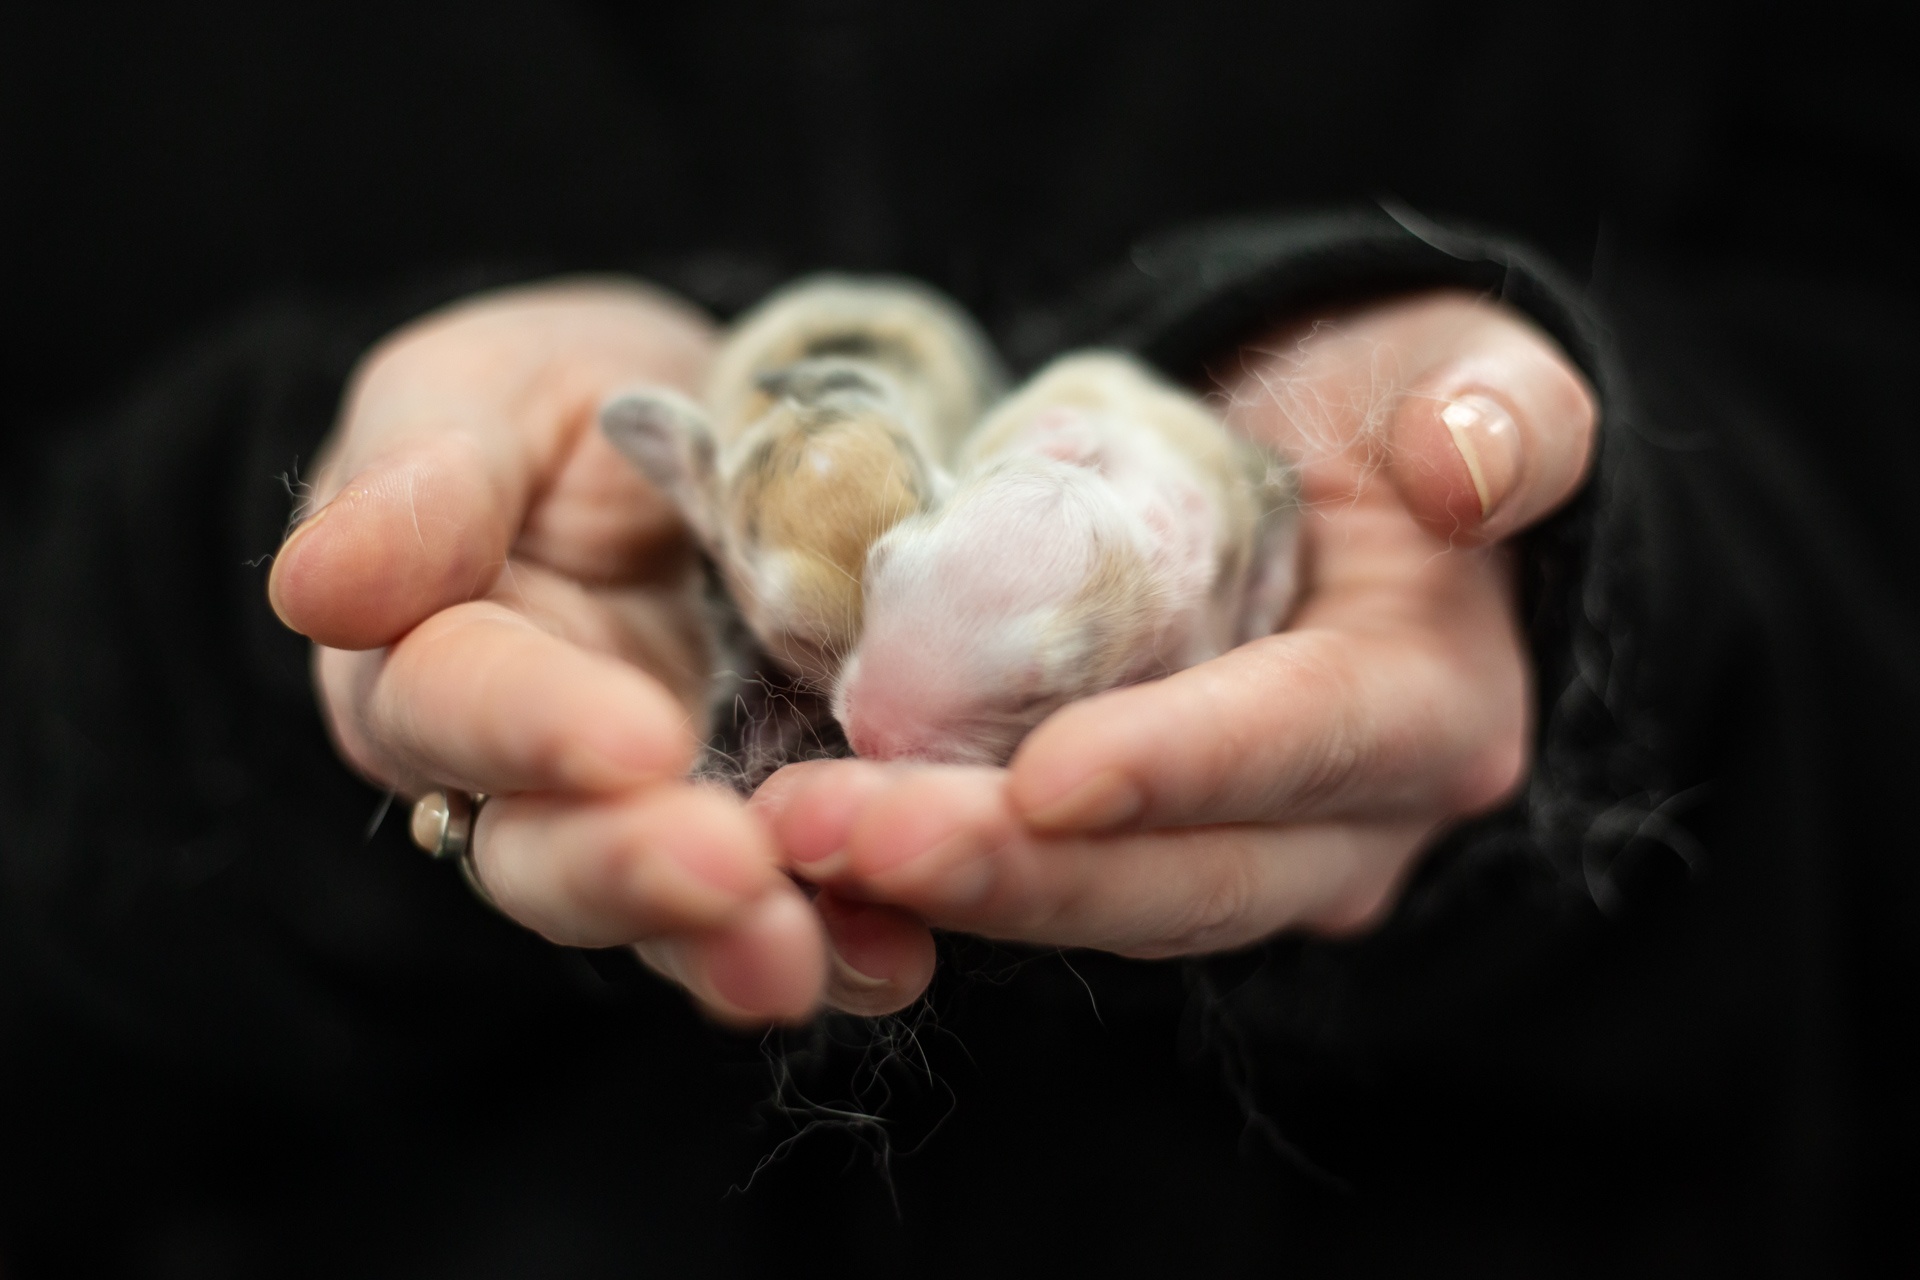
x=821 y=492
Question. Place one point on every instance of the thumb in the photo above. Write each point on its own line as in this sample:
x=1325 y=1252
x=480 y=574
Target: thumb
x=452 y=427
x=408 y=536
x=1498 y=435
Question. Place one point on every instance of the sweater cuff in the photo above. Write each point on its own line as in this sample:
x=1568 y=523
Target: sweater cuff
x=1187 y=297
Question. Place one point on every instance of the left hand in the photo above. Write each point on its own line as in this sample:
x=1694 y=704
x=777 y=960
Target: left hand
x=499 y=603
x=1292 y=782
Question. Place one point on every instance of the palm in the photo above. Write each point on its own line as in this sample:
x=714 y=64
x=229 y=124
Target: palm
x=604 y=562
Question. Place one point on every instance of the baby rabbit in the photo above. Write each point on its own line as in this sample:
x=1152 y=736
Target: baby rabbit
x=833 y=410
x=1106 y=529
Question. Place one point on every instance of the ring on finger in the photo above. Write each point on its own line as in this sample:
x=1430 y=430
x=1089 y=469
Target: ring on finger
x=443 y=825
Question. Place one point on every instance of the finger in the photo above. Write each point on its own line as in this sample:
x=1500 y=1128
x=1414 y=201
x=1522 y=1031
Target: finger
x=1495 y=437
x=812 y=838
x=480 y=699
x=1480 y=419
x=673 y=858
x=769 y=966
x=880 y=958
x=425 y=527
x=1347 y=715
x=447 y=432
x=946 y=844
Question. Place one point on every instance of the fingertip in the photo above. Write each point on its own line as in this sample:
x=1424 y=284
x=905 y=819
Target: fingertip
x=710 y=837
x=1455 y=462
x=787 y=783
x=1068 y=774
x=881 y=959
x=1495 y=441
x=286 y=592
x=400 y=541
x=769 y=967
x=812 y=808
x=625 y=728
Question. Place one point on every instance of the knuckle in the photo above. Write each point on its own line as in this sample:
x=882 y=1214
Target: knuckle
x=345 y=682
x=572 y=879
x=1215 y=916
x=1025 y=893
x=391 y=368
x=1306 y=772
x=1335 y=759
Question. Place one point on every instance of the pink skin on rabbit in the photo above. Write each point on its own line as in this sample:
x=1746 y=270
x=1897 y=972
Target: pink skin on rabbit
x=1109 y=530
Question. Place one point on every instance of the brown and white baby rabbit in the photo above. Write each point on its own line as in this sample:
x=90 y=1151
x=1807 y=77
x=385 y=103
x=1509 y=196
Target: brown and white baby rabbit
x=833 y=410
x=1106 y=529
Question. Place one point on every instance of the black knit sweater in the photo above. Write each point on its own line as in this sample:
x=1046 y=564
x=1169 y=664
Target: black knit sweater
x=1646 y=1016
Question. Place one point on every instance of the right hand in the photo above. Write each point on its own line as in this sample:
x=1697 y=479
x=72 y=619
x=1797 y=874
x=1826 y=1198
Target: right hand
x=500 y=604
x=1292 y=783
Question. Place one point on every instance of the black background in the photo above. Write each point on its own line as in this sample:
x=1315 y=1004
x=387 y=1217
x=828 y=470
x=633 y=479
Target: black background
x=164 y=163
x=259 y=1073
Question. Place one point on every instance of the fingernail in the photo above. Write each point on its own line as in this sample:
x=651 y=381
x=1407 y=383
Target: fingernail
x=815 y=811
x=671 y=958
x=827 y=866
x=846 y=975
x=862 y=994
x=1489 y=443
x=1107 y=799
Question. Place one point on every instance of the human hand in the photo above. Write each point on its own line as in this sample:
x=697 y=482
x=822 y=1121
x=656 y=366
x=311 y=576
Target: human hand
x=1292 y=782
x=501 y=604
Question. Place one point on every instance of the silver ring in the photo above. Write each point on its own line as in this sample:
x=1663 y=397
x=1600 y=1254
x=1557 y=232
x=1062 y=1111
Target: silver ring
x=443 y=823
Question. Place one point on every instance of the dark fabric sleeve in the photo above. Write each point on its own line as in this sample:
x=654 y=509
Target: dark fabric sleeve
x=1194 y=294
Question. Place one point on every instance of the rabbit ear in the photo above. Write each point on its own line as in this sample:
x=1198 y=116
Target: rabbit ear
x=668 y=437
x=814 y=380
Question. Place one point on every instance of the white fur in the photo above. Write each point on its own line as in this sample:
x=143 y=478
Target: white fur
x=980 y=620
